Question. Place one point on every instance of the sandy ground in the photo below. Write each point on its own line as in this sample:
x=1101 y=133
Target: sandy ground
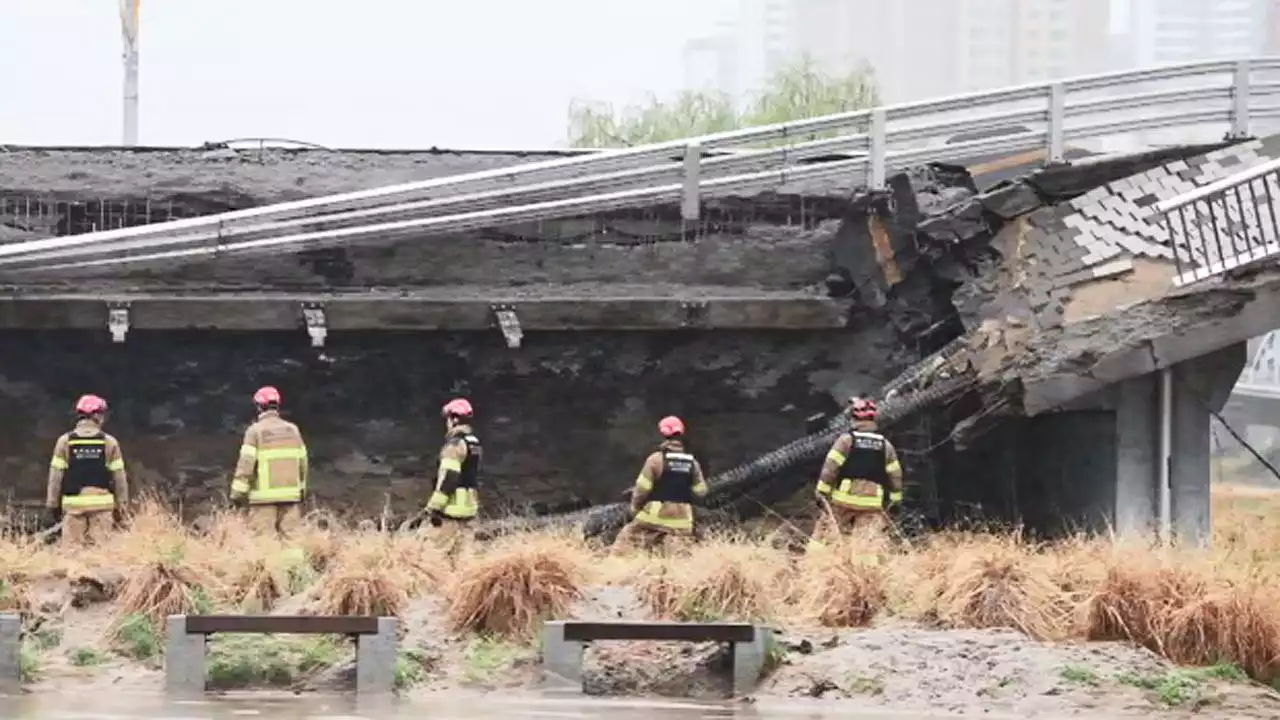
x=894 y=667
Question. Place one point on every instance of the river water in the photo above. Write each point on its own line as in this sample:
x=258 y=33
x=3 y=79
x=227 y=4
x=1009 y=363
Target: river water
x=109 y=706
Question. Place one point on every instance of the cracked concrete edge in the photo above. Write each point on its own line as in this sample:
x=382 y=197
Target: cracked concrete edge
x=1161 y=332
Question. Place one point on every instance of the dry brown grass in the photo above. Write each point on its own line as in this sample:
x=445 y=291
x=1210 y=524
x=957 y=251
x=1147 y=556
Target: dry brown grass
x=723 y=577
x=1193 y=606
x=506 y=590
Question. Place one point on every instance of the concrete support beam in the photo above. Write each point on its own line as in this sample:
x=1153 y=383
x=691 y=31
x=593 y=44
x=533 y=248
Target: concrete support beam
x=10 y=654
x=376 y=659
x=1200 y=385
x=561 y=658
x=183 y=659
x=323 y=315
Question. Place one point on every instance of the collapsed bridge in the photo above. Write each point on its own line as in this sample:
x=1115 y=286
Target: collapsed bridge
x=745 y=280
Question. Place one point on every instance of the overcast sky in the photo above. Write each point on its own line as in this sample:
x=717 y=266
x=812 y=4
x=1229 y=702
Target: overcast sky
x=371 y=73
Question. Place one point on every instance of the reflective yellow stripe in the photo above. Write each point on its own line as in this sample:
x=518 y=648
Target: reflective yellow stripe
x=438 y=501
x=844 y=496
x=824 y=488
x=58 y=464
x=248 y=451
x=836 y=457
x=451 y=464
x=464 y=504
x=239 y=487
x=651 y=515
x=88 y=502
x=700 y=489
x=89 y=441
x=115 y=465
x=893 y=467
x=275 y=495
x=643 y=483
x=280 y=454
x=814 y=545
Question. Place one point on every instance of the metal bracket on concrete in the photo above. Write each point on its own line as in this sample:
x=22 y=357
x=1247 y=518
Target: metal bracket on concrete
x=695 y=313
x=317 y=325
x=509 y=324
x=118 y=321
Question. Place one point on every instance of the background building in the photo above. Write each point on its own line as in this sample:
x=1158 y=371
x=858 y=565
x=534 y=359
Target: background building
x=918 y=48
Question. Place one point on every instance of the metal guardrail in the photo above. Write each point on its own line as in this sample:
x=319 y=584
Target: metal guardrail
x=1225 y=224
x=870 y=144
x=1261 y=376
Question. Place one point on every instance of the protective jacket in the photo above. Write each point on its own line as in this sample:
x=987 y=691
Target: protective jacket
x=457 y=489
x=665 y=489
x=273 y=465
x=86 y=472
x=862 y=472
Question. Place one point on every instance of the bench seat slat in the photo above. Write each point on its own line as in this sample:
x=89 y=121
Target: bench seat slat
x=676 y=631
x=283 y=624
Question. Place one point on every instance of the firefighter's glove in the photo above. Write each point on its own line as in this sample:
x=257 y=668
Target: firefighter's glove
x=239 y=500
x=436 y=518
x=52 y=516
x=892 y=499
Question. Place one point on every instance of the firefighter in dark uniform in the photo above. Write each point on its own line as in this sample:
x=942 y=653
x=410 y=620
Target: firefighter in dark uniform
x=87 y=489
x=662 y=499
x=861 y=477
x=455 y=501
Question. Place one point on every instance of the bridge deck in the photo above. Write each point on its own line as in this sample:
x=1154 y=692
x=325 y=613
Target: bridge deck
x=572 y=307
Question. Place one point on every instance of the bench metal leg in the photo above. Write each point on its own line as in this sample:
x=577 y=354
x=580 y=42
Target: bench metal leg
x=183 y=658
x=10 y=653
x=376 y=659
x=748 y=661
x=561 y=659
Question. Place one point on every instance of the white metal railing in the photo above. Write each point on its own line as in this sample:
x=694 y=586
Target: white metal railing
x=1225 y=224
x=1261 y=377
x=873 y=142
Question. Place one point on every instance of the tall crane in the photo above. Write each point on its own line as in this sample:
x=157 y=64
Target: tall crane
x=129 y=41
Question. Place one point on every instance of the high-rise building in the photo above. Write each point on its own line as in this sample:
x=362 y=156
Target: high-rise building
x=747 y=46
x=1273 y=29
x=918 y=48
x=1170 y=31
x=932 y=48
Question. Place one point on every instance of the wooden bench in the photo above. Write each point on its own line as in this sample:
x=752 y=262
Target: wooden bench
x=563 y=644
x=184 y=663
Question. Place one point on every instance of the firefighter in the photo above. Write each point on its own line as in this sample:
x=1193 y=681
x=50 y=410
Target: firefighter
x=861 y=477
x=455 y=499
x=271 y=472
x=88 y=489
x=662 y=499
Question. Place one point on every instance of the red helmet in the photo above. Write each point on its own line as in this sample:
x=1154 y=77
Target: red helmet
x=671 y=425
x=863 y=408
x=458 y=407
x=90 y=405
x=266 y=395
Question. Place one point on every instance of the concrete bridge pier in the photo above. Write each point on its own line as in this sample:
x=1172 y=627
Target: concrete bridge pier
x=1194 y=388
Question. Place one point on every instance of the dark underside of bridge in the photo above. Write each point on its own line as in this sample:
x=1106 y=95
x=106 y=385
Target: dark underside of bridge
x=770 y=309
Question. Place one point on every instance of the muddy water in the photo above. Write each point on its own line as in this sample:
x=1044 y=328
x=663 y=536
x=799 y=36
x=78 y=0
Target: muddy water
x=490 y=707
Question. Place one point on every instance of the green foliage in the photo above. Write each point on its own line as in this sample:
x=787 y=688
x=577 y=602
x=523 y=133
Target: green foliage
x=799 y=90
x=242 y=661
x=137 y=639
x=85 y=657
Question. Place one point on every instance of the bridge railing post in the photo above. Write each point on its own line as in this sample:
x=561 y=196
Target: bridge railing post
x=1240 y=100
x=691 y=207
x=1057 y=149
x=877 y=139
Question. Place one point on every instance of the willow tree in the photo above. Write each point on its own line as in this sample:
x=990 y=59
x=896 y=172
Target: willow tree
x=799 y=90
